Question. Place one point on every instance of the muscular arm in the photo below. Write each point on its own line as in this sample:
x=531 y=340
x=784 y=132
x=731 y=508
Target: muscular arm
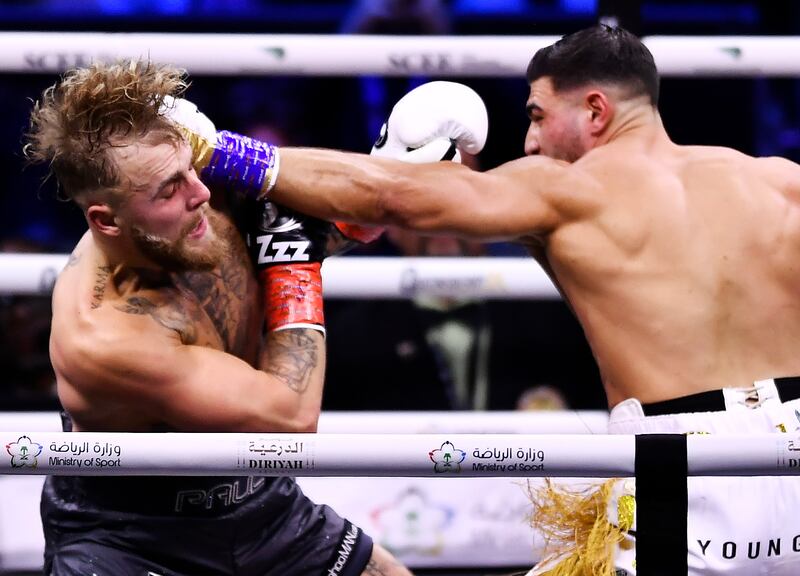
x=782 y=174
x=527 y=196
x=144 y=366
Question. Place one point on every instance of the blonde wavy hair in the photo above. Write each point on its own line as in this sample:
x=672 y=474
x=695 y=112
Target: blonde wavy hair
x=580 y=539
x=90 y=111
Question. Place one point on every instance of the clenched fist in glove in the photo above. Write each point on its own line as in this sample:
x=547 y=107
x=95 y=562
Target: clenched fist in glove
x=287 y=249
x=432 y=122
x=429 y=124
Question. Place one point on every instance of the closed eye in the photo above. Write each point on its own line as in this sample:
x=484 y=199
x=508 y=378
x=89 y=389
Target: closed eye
x=168 y=192
x=170 y=186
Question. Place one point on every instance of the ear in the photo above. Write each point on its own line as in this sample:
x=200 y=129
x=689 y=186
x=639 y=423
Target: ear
x=600 y=110
x=101 y=217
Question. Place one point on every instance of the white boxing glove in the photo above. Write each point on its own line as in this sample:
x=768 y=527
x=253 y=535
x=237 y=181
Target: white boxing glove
x=186 y=115
x=432 y=122
x=196 y=126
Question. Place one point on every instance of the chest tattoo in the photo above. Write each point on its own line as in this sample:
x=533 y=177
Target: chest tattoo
x=222 y=294
x=172 y=316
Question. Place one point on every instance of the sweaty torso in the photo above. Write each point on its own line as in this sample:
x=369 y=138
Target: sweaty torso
x=686 y=273
x=218 y=309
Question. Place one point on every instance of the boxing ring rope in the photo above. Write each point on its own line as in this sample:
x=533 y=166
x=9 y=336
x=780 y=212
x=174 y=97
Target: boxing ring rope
x=467 y=519
x=392 y=455
x=351 y=277
x=346 y=55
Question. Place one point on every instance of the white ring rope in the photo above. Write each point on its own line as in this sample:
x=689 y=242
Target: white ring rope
x=351 y=277
x=456 y=515
x=392 y=455
x=348 y=55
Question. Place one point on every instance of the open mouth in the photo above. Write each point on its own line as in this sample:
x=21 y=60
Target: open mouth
x=199 y=230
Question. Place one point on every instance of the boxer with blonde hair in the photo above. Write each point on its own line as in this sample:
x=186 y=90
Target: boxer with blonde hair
x=165 y=319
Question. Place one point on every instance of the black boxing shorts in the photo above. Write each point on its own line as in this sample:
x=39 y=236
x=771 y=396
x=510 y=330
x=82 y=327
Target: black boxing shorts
x=194 y=526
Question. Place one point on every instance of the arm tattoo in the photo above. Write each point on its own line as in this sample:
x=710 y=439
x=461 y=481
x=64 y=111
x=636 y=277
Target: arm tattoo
x=99 y=289
x=292 y=357
x=374 y=568
x=168 y=316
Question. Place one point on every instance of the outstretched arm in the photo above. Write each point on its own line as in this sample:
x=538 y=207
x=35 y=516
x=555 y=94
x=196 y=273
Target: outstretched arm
x=527 y=196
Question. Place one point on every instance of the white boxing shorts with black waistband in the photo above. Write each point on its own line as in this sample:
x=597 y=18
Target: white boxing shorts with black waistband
x=737 y=526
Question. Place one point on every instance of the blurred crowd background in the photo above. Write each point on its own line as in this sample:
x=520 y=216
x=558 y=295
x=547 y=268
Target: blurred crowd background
x=425 y=354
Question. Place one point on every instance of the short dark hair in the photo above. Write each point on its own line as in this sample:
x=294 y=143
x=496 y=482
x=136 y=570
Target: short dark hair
x=598 y=54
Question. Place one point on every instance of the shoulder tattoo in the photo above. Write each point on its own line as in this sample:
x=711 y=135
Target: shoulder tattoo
x=73 y=260
x=169 y=316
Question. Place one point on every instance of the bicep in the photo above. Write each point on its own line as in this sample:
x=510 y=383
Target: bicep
x=519 y=198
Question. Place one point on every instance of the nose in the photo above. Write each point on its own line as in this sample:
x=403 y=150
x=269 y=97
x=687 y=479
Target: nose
x=532 y=141
x=199 y=193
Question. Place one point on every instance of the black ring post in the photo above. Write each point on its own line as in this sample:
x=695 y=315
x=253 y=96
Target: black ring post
x=661 y=469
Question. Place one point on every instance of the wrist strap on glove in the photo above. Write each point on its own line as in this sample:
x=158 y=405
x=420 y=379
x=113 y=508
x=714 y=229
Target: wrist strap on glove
x=293 y=296
x=246 y=166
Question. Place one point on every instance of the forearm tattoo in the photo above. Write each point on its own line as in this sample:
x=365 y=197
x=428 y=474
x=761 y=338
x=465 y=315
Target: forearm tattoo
x=292 y=356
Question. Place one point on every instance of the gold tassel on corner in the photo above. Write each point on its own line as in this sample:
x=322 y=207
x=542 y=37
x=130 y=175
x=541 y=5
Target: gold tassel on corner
x=576 y=528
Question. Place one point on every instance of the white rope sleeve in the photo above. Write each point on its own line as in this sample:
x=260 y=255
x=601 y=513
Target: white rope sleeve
x=392 y=455
x=352 y=55
x=353 y=277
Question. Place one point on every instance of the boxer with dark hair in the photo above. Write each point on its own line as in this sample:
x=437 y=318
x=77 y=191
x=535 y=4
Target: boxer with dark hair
x=680 y=262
